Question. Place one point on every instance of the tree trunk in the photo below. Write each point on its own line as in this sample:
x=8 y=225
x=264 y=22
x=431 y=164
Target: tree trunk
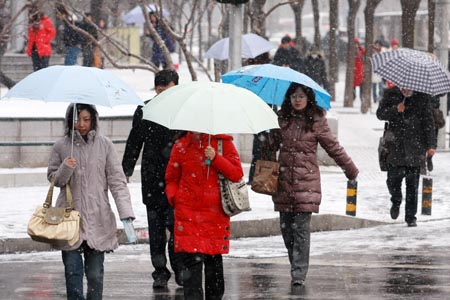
x=409 y=11
x=333 y=62
x=200 y=34
x=431 y=22
x=258 y=17
x=315 y=5
x=209 y=13
x=367 y=83
x=349 y=89
x=297 y=7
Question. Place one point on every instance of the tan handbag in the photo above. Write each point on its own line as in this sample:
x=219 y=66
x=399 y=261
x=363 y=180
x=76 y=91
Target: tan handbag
x=55 y=225
x=265 y=179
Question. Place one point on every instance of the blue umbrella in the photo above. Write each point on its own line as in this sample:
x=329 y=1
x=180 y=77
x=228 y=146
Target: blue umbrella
x=271 y=82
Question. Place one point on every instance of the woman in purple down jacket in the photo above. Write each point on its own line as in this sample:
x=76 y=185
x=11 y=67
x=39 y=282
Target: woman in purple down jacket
x=303 y=126
x=91 y=171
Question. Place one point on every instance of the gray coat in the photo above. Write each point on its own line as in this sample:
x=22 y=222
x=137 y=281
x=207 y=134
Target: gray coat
x=98 y=169
x=299 y=187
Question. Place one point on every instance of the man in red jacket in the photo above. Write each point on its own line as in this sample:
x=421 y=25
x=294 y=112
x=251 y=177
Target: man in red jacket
x=40 y=34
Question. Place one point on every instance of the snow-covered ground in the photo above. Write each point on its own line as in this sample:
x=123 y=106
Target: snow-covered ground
x=358 y=134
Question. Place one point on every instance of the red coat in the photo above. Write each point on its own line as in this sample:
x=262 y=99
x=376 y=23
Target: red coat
x=42 y=37
x=200 y=223
x=358 y=71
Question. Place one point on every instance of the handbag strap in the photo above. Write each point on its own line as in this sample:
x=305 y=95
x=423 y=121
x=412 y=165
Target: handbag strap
x=49 y=198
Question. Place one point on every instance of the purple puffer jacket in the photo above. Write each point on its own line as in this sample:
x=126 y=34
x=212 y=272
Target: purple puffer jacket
x=299 y=180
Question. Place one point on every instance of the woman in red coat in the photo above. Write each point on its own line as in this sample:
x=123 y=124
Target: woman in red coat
x=40 y=34
x=202 y=229
x=358 y=70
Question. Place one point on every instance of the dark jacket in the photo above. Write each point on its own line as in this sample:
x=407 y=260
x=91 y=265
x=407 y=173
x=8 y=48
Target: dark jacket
x=71 y=37
x=299 y=187
x=413 y=130
x=89 y=28
x=157 y=141
x=315 y=68
x=157 y=53
x=289 y=56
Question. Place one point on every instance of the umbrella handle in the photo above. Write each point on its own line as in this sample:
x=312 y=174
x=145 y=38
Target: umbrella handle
x=74 y=120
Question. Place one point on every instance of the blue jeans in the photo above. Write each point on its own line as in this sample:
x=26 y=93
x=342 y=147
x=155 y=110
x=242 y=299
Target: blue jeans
x=71 y=56
x=74 y=272
x=377 y=95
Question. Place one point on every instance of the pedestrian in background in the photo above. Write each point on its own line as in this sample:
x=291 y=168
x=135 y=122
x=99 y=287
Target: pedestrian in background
x=71 y=37
x=158 y=58
x=157 y=141
x=316 y=69
x=40 y=34
x=87 y=45
x=5 y=20
x=377 y=81
x=411 y=122
x=288 y=56
x=358 y=69
x=202 y=229
x=303 y=126
x=91 y=170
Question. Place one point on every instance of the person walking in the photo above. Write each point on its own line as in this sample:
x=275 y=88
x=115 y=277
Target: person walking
x=157 y=141
x=158 y=58
x=358 y=69
x=87 y=45
x=40 y=34
x=202 y=229
x=303 y=126
x=377 y=81
x=316 y=69
x=5 y=20
x=288 y=56
x=91 y=171
x=71 y=37
x=411 y=122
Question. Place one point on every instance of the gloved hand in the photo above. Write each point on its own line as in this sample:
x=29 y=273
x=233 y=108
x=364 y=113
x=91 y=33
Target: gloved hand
x=129 y=230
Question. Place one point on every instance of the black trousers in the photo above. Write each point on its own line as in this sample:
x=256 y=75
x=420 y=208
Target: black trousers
x=256 y=155
x=160 y=219
x=39 y=62
x=394 y=180
x=192 y=276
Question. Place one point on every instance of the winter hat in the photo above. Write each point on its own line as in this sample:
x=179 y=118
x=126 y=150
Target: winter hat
x=356 y=40
x=394 y=42
x=286 y=39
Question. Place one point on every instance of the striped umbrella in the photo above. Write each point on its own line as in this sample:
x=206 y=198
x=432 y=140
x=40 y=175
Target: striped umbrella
x=414 y=70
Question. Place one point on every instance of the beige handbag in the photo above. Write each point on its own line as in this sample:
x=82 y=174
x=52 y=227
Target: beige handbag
x=234 y=195
x=55 y=225
x=265 y=179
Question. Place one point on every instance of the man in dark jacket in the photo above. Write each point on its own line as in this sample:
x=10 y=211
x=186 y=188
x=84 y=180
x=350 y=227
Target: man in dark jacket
x=157 y=141
x=71 y=37
x=87 y=45
x=316 y=69
x=288 y=56
x=411 y=121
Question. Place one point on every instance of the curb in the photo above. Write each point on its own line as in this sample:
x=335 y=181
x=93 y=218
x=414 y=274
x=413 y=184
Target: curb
x=240 y=229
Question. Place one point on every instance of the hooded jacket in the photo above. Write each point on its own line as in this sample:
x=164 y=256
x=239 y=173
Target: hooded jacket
x=299 y=188
x=97 y=171
x=42 y=37
x=201 y=226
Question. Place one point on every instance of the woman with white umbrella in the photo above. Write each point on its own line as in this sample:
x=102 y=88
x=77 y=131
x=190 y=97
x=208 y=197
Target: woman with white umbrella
x=91 y=170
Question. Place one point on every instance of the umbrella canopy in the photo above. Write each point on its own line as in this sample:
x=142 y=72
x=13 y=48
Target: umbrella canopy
x=252 y=46
x=75 y=84
x=411 y=69
x=212 y=108
x=271 y=82
x=135 y=16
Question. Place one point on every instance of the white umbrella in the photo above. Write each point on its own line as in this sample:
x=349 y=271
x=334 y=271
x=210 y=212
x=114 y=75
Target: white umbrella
x=252 y=46
x=74 y=84
x=212 y=108
x=135 y=16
